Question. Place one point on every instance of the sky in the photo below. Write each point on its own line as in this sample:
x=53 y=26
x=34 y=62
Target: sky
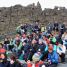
x=44 y=3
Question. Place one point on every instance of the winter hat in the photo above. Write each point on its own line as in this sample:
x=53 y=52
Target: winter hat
x=2 y=50
x=35 y=57
x=39 y=50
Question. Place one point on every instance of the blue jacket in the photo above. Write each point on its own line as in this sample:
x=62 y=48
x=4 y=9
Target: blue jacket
x=53 y=57
x=55 y=48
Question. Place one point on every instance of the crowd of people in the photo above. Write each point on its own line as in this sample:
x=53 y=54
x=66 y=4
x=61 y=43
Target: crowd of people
x=37 y=46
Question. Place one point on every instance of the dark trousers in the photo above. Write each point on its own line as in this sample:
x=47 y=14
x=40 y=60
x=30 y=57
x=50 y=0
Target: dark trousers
x=44 y=56
x=62 y=57
x=49 y=65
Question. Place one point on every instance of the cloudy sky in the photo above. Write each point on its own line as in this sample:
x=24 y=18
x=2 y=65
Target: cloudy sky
x=44 y=3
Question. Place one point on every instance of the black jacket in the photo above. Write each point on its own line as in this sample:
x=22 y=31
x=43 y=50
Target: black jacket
x=15 y=64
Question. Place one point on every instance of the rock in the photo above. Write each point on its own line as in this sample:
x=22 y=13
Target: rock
x=11 y=17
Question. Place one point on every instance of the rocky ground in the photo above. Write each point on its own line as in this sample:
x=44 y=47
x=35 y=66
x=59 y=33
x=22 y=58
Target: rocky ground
x=62 y=65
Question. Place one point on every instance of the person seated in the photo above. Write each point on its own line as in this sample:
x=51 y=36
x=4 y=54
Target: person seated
x=3 y=58
x=61 y=50
x=14 y=62
x=56 y=25
x=53 y=57
x=36 y=56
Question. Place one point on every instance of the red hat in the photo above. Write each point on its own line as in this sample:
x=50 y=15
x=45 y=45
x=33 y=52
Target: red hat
x=50 y=47
x=2 y=50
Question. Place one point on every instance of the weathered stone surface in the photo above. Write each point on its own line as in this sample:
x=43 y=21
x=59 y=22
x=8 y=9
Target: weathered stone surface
x=11 y=17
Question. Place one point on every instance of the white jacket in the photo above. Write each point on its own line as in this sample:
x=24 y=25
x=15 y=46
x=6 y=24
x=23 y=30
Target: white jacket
x=61 y=49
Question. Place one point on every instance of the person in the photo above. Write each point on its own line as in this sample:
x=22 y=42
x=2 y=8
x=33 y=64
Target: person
x=3 y=61
x=64 y=38
x=56 y=25
x=6 y=43
x=61 y=50
x=52 y=57
x=35 y=45
x=44 y=49
x=62 y=29
x=36 y=58
x=3 y=57
x=29 y=64
x=26 y=50
x=17 y=47
x=14 y=62
x=41 y=46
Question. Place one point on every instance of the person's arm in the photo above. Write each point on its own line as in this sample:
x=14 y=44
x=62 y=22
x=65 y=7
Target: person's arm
x=49 y=57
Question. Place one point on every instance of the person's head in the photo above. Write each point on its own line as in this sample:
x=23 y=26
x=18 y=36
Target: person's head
x=44 y=37
x=24 y=43
x=50 y=48
x=17 y=42
x=40 y=41
x=17 y=35
x=34 y=41
x=33 y=33
x=13 y=57
x=2 y=56
x=6 y=39
x=39 y=51
x=24 y=35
